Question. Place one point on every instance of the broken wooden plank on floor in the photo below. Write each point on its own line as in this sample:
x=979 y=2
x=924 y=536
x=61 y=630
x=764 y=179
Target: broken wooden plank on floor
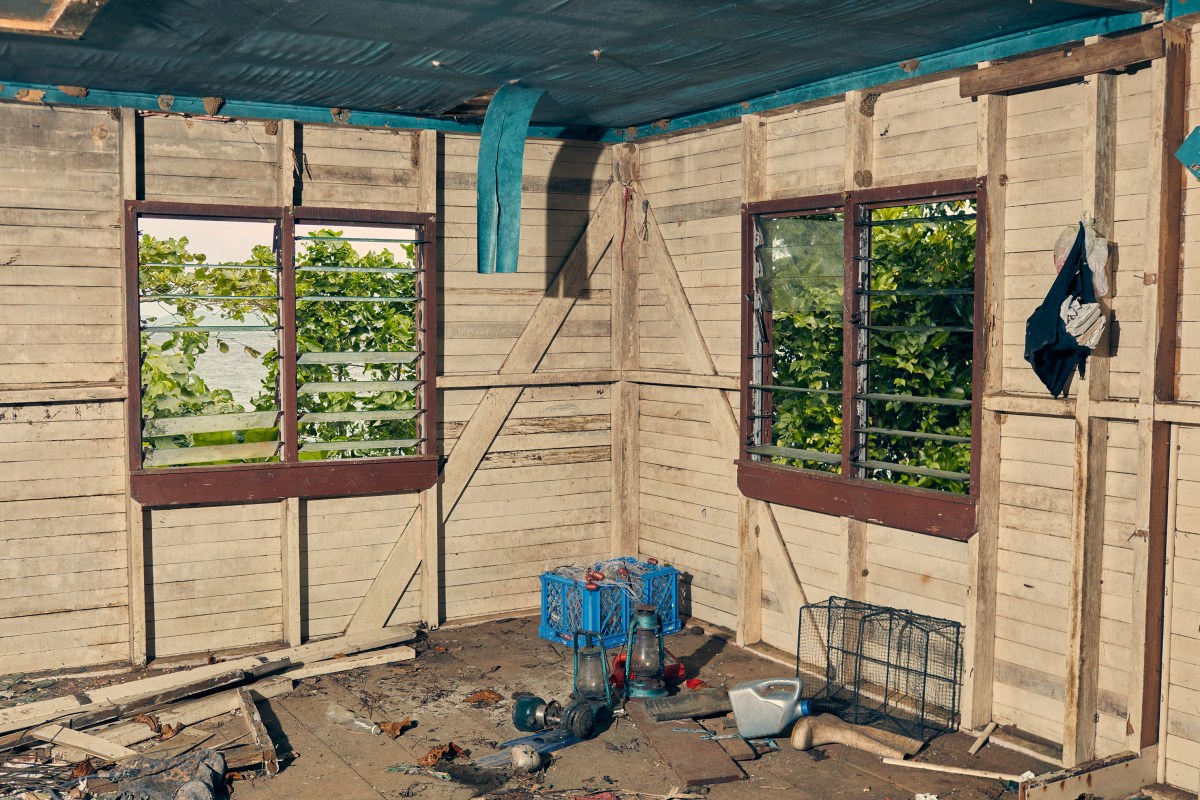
x=697 y=762
x=973 y=773
x=344 y=664
x=192 y=712
x=258 y=732
x=85 y=742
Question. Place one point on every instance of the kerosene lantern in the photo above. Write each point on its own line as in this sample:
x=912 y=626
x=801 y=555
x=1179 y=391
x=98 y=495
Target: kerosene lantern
x=645 y=654
x=591 y=698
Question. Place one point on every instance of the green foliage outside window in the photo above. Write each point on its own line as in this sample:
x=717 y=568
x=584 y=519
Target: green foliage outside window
x=921 y=277
x=171 y=387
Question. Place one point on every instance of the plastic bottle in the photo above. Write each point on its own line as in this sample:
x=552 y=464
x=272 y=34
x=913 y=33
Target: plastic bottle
x=346 y=718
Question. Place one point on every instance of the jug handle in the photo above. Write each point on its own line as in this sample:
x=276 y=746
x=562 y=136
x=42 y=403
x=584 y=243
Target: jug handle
x=796 y=685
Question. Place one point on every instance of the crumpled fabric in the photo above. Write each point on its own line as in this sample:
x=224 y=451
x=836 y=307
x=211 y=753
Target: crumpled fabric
x=1050 y=349
x=1084 y=321
x=194 y=776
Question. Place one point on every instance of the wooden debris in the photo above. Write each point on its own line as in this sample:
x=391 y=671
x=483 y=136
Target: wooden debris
x=983 y=737
x=696 y=761
x=258 y=731
x=1114 y=776
x=974 y=773
x=85 y=742
x=343 y=663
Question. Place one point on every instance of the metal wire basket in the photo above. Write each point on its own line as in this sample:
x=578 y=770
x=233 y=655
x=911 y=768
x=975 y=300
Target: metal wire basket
x=880 y=666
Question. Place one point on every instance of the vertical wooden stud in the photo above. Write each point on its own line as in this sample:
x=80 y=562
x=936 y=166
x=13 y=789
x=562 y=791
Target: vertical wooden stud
x=1081 y=701
x=624 y=342
x=749 y=580
x=982 y=550
x=860 y=139
x=135 y=543
x=291 y=508
x=426 y=158
x=289 y=534
x=1160 y=304
x=854 y=558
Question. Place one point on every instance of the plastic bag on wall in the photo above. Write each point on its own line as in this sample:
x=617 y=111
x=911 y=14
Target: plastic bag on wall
x=1095 y=250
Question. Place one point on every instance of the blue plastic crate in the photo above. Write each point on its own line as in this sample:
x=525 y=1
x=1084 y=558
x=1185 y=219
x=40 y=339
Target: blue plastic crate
x=567 y=606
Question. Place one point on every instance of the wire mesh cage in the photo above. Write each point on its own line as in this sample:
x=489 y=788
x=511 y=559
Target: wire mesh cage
x=881 y=666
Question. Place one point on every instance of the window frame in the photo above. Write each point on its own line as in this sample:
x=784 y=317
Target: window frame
x=288 y=477
x=909 y=508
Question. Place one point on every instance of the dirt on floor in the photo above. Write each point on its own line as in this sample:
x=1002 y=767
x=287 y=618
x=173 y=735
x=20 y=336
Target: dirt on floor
x=323 y=759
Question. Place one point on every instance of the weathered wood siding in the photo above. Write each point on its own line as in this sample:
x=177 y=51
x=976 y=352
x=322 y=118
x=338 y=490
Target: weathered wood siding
x=689 y=502
x=215 y=577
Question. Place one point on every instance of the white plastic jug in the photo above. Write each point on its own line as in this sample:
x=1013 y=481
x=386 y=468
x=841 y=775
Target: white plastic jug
x=767 y=707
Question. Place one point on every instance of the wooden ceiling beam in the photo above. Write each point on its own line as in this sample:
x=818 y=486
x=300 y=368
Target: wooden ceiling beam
x=1119 y=5
x=1062 y=64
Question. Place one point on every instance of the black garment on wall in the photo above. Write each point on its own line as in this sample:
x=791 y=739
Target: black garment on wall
x=1054 y=353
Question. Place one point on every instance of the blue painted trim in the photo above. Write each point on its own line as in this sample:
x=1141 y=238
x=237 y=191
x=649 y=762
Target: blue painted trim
x=1177 y=8
x=501 y=163
x=99 y=98
x=1003 y=47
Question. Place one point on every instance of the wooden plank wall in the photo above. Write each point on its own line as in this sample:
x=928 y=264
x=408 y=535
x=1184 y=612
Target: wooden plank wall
x=216 y=577
x=690 y=515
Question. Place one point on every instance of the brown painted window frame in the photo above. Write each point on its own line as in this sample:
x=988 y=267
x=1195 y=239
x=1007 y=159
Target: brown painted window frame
x=289 y=477
x=905 y=507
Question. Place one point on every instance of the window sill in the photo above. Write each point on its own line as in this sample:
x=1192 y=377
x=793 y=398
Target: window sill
x=244 y=483
x=907 y=508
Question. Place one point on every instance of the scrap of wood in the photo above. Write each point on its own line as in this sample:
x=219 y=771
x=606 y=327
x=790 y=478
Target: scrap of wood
x=258 y=731
x=697 y=762
x=194 y=711
x=236 y=758
x=1063 y=64
x=1108 y=778
x=973 y=773
x=983 y=737
x=113 y=701
x=85 y=742
x=345 y=664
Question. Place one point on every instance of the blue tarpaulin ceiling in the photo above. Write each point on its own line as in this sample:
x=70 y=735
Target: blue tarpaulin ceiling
x=609 y=63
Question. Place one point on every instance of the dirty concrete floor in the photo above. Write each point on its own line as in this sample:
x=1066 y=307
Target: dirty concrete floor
x=325 y=760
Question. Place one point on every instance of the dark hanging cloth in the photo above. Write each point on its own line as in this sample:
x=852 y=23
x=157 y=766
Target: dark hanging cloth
x=1054 y=353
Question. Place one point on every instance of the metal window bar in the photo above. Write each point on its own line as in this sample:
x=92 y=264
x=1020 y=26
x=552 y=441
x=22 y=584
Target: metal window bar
x=207 y=265
x=936 y=437
x=938 y=219
x=868 y=292
x=377 y=444
x=915 y=399
x=798 y=389
x=324 y=417
x=918 y=328
x=357 y=387
x=907 y=469
x=358 y=239
x=374 y=270
x=360 y=357
x=146 y=297
x=206 y=328
x=795 y=453
x=320 y=298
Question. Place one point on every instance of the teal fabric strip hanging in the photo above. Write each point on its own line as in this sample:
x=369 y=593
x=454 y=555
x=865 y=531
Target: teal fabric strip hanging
x=501 y=158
